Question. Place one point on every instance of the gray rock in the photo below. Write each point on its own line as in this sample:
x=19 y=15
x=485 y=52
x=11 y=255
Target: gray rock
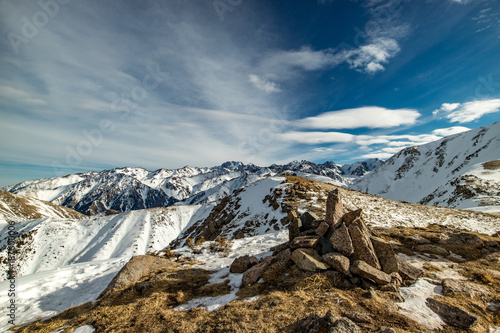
x=254 y=273
x=419 y=239
x=432 y=249
x=308 y=260
x=322 y=229
x=295 y=224
x=283 y=256
x=135 y=269
x=345 y=325
x=450 y=314
x=241 y=264
x=308 y=221
x=315 y=323
x=363 y=247
x=407 y=271
x=304 y=242
x=350 y=217
x=466 y=288
x=338 y=262
x=366 y=271
x=341 y=240
x=359 y=317
x=385 y=254
x=334 y=209
x=280 y=247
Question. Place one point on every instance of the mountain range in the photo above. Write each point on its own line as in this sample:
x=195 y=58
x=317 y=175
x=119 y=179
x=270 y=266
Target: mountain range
x=125 y=189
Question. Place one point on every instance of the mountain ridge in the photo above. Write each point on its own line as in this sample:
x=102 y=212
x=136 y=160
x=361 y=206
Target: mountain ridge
x=460 y=171
x=132 y=188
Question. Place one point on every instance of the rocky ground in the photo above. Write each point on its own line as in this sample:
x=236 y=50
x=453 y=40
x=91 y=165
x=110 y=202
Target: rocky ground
x=338 y=272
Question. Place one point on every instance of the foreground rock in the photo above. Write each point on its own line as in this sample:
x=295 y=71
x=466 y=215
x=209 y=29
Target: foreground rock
x=242 y=264
x=362 y=269
x=135 y=269
x=450 y=314
x=315 y=323
x=469 y=289
x=254 y=273
x=308 y=260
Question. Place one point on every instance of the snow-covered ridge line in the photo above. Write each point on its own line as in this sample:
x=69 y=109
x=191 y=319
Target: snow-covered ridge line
x=126 y=189
x=460 y=171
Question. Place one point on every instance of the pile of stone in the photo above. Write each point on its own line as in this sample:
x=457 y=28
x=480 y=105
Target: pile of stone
x=341 y=242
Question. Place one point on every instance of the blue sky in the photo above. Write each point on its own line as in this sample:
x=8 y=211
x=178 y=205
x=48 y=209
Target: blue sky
x=90 y=85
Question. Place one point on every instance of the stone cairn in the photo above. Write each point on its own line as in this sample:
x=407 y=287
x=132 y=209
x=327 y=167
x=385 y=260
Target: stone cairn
x=341 y=242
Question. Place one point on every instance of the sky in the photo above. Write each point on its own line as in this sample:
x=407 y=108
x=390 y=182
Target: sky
x=92 y=85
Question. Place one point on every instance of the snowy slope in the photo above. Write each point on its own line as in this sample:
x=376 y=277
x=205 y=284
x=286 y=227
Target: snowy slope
x=457 y=171
x=49 y=243
x=18 y=208
x=126 y=189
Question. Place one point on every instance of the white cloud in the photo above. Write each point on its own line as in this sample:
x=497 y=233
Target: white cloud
x=379 y=155
x=263 y=84
x=371 y=117
x=467 y=112
x=450 y=130
x=369 y=58
x=315 y=137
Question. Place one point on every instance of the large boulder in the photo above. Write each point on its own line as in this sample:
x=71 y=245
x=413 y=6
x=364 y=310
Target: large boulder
x=450 y=314
x=408 y=272
x=295 y=224
x=242 y=264
x=341 y=240
x=137 y=268
x=338 y=262
x=363 y=247
x=366 y=271
x=334 y=209
x=385 y=255
x=469 y=289
x=254 y=273
x=308 y=260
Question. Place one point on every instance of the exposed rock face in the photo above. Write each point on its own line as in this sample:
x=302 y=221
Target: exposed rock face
x=385 y=254
x=363 y=248
x=341 y=240
x=135 y=269
x=450 y=314
x=308 y=260
x=334 y=209
x=362 y=269
x=338 y=262
x=242 y=264
x=253 y=274
x=469 y=289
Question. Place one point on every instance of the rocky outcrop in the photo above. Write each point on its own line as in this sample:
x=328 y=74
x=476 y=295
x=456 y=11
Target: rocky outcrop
x=137 y=268
x=242 y=264
x=450 y=314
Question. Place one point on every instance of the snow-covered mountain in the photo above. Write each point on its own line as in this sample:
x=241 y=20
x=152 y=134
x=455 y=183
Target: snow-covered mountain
x=462 y=171
x=15 y=207
x=126 y=189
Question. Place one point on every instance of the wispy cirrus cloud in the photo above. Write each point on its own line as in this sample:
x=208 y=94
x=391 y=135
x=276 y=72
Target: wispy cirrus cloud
x=369 y=117
x=467 y=112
